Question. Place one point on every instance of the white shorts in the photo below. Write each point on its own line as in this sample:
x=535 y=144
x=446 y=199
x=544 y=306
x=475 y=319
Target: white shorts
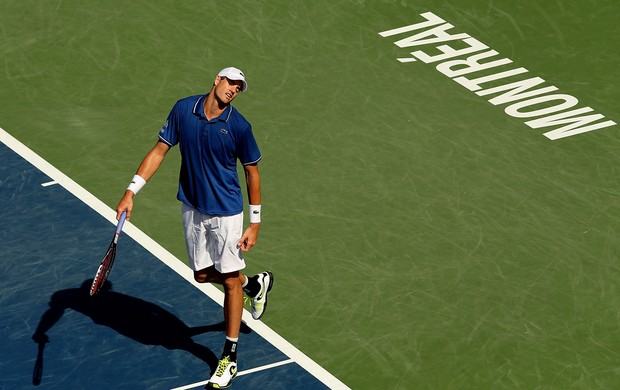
x=212 y=240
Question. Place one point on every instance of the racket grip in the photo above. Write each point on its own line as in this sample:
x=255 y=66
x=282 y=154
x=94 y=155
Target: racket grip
x=121 y=221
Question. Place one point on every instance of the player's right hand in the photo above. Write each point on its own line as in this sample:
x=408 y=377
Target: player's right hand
x=126 y=204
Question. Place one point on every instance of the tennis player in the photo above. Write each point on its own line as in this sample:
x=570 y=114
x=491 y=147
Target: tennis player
x=212 y=135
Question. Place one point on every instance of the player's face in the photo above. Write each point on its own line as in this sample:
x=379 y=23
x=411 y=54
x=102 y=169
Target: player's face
x=226 y=90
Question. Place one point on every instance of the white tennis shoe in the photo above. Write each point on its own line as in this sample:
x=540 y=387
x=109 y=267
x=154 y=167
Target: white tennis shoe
x=259 y=302
x=224 y=374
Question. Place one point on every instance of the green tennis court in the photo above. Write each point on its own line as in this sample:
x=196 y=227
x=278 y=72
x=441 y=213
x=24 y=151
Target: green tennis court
x=423 y=235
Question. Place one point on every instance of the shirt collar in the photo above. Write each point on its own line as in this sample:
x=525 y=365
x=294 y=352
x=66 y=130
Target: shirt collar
x=199 y=111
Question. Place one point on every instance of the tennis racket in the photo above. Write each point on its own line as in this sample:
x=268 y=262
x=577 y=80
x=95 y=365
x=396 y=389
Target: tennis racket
x=108 y=260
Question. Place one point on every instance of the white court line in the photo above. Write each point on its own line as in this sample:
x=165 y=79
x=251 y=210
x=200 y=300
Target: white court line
x=265 y=367
x=169 y=259
x=241 y=373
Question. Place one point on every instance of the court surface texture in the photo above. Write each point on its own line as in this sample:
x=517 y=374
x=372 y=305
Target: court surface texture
x=434 y=214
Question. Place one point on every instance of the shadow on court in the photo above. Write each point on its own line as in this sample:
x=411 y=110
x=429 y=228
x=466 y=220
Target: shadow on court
x=142 y=321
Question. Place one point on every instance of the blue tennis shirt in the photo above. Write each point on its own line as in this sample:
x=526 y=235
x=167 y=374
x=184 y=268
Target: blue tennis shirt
x=208 y=180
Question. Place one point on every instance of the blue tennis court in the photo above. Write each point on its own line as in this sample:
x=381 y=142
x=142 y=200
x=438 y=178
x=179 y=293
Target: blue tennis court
x=151 y=329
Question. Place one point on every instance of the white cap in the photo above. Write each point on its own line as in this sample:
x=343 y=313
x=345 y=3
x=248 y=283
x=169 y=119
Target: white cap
x=234 y=74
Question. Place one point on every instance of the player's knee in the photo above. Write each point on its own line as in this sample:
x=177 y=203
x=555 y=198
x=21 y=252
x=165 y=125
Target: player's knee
x=231 y=281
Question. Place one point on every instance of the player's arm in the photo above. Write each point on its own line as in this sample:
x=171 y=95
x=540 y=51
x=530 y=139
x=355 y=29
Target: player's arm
x=252 y=180
x=146 y=170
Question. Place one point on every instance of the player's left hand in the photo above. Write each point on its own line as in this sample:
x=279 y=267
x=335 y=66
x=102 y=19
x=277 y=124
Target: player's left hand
x=248 y=240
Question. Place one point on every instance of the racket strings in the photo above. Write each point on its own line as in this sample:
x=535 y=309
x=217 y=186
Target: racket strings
x=103 y=272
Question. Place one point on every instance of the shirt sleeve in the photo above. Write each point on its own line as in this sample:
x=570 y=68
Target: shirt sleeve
x=249 y=153
x=169 y=132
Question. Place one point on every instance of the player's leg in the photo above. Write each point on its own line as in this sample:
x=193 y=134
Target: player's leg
x=233 y=303
x=205 y=240
x=223 y=235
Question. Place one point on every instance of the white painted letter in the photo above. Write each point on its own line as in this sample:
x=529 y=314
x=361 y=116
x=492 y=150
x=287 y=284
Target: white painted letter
x=516 y=91
x=470 y=64
x=574 y=125
x=449 y=52
x=438 y=35
x=569 y=101
x=431 y=20
x=474 y=85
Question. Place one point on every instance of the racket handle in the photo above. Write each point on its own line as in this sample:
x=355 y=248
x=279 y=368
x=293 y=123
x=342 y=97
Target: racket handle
x=121 y=221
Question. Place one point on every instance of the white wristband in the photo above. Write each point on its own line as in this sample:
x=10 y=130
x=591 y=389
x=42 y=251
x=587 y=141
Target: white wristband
x=136 y=184
x=254 y=213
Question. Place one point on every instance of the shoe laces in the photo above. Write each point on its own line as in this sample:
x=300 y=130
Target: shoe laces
x=225 y=362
